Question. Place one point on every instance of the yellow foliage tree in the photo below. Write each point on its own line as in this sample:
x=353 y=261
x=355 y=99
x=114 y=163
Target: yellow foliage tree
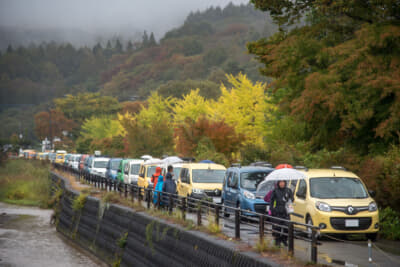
x=192 y=106
x=246 y=107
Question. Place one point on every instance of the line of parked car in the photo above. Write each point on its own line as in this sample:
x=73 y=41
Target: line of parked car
x=334 y=199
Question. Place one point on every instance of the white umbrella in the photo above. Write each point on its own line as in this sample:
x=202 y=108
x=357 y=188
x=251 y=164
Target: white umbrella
x=285 y=174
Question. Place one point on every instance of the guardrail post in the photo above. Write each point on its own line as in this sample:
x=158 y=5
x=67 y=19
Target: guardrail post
x=237 y=223
x=148 y=197
x=261 y=228
x=126 y=190
x=170 y=204
x=199 y=214
x=133 y=193
x=120 y=189
x=290 y=238
x=217 y=208
x=139 y=195
x=158 y=199
x=184 y=208
x=314 y=246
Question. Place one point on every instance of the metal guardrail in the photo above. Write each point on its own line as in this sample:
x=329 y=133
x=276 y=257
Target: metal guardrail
x=293 y=230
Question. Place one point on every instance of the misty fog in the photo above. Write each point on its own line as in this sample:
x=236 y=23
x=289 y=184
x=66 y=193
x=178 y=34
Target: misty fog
x=83 y=22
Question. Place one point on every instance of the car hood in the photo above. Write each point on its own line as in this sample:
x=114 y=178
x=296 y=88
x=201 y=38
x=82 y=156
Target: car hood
x=344 y=202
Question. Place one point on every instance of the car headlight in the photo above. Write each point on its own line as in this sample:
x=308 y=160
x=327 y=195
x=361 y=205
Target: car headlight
x=322 y=206
x=197 y=191
x=372 y=206
x=249 y=195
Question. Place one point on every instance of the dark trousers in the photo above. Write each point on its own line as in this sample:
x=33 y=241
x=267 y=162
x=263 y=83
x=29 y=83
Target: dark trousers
x=279 y=232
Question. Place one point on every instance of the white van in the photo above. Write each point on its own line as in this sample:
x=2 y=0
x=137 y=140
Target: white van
x=99 y=166
x=131 y=171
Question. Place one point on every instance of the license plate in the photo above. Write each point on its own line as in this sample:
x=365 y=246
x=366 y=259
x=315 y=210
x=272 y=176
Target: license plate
x=351 y=223
x=216 y=200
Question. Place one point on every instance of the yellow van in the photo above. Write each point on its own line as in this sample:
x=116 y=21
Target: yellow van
x=336 y=201
x=201 y=180
x=147 y=169
x=60 y=158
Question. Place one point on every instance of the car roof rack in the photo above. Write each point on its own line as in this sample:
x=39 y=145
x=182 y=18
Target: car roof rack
x=300 y=167
x=338 y=168
x=261 y=164
x=237 y=165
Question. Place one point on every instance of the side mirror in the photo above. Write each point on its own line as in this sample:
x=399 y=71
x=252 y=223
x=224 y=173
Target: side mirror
x=119 y=171
x=141 y=175
x=372 y=193
x=301 y=194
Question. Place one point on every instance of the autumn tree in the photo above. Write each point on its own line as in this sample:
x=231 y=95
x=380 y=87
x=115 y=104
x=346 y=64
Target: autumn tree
x=339 y=73
x=85 y=105
x=245 y=107
x=149 y=131
x=204 y=136
x=52 y=123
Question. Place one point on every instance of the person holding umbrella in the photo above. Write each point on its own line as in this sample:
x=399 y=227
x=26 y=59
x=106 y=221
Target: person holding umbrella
x=281 y=197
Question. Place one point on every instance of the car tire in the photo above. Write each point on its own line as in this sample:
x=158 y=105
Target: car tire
x=309 y=230
x=372 y=236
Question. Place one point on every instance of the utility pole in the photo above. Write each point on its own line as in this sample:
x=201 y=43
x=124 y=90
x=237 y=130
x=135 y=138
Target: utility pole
x=51 y=132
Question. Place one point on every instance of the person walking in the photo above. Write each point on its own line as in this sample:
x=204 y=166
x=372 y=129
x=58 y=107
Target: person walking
x=280 y=198
x=154 y=177
x=169 y=185
x=158 y=190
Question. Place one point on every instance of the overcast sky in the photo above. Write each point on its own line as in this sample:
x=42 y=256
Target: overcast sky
x=89 y=15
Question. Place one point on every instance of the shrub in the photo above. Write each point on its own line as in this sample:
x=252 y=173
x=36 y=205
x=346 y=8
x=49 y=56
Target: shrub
x=390 y=224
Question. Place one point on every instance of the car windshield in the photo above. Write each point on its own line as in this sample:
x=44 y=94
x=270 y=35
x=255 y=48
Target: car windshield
x=337 y=187
x=250 y=180
x=135 y=168
x=100 y=164
x=265 y=188
x=177 y=170
x=208 y=176
x=115 y=165
x=151 y=170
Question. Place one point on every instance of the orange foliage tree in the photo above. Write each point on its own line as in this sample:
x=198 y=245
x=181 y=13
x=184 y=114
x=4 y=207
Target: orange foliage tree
x=221 y=136
x=51 y=124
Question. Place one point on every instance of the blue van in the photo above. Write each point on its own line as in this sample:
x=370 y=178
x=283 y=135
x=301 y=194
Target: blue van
x=240 y=185
x=112 y=168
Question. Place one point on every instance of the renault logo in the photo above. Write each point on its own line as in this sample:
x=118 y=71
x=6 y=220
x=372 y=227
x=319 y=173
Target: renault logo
x=350 y=209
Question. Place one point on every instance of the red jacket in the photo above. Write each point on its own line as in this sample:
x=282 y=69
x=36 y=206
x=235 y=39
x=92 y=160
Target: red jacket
x=154 y=177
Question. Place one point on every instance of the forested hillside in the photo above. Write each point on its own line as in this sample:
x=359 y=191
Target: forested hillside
x=196 y=55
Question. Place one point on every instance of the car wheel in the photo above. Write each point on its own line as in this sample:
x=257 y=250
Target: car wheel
x=372 y=236
x=309 y=229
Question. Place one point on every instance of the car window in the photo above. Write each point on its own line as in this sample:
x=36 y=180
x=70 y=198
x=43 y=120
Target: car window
x=250 y=180
x=135 y=168
x=114 y=164
x=302 y=190
x=100 y=164
x=185 y=175
x=233 y=180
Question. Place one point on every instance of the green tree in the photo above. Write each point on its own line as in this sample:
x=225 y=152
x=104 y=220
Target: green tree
x=85 y=105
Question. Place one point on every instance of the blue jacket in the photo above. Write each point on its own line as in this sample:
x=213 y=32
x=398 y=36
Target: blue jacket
x=159 y=187
x=169 y=185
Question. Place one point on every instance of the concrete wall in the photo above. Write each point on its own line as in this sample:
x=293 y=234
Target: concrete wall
x=100 y=228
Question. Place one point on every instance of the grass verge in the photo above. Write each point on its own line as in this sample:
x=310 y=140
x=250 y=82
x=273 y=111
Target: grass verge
x=25 y=182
